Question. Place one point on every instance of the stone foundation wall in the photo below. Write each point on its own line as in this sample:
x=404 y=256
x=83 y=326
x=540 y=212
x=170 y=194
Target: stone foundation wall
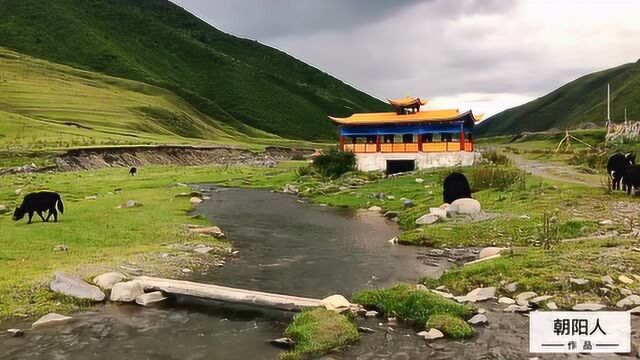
x=378 y=161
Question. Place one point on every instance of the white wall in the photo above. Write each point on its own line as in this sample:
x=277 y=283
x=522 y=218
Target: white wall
x=378 y=161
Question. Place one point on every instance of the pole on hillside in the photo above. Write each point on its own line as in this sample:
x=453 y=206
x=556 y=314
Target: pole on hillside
x=608 y=102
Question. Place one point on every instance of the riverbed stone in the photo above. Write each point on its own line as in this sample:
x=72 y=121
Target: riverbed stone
x=490 y=251
x=336 y=302
x=506 y=300
x=74 y=286
x=209 y=230
x=588 y=307
x=625 y=279
x=291 y=189
x=151 y=298
x=365 y=330
x=50 y=320
x=392 y=214
x=15 y=332
x=432 y=334
x=630 y=300
x=461 y=298
x=538 y=300
x=465 y=206
x=108 y=280
x=126 y=291
x=195 y=200
x=516 y=308
x=445 y=295
x=283 y=343
x=523 y=298
x=371 y=313
x=427 y=219
x=481 y=294
x=375 y=209
x=478 y=319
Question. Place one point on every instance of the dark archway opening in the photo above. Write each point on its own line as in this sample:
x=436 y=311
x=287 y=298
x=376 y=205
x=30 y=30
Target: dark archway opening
x=400 y=166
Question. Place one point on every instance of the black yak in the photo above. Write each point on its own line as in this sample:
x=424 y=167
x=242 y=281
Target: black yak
x=133 y=171
x=456 y=186
x=39 y=202
x=631 y=178
x=616 y=167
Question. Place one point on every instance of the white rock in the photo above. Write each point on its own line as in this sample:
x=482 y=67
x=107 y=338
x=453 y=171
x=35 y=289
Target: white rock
x=421 y=287
x=516 y=308
x=523 y=298
x=203 y=249
x=427 y=219
x=375 y=209
x=72 y=285
x=490 y=251
x=506 y=300
x=371 y=313
x=210 y=230
x=629 y=301
x=15 y=332
x=393 y=240
x=49 y=320
x=126 y=291
x=551 y=305
x=625 y=280
x=106 y=281
x=540 y=299
x=195 y=200
x=18 y=192
x=606 y=222
x=461 y=299
x=92 y=197
x=479 y=319
x=588 y=307
x=481 y=294
x=3 y=209
x=186 y=271
x=336 y=302
x=433 y=334
x=419 y=180
x=443 y=294
x=579 y=281
x=607 y=279
x=511 y=287
x=465 y=206
x=151 y=298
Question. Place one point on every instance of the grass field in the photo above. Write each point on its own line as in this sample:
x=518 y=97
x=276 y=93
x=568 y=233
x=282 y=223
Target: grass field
x=49 y=106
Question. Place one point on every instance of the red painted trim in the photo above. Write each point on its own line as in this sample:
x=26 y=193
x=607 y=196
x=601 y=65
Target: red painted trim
x=341 y=143
x=420 y=141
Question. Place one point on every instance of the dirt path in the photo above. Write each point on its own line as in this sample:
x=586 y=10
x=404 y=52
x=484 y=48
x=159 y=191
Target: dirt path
x=555 y=171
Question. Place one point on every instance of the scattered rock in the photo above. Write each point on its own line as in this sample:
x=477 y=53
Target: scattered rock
x=210 y=230
x=443 y=294
x=151 y=298
x=481 y=294
x=391 y=197
x=195 y=200
x=3 y=209
x=605 y=222
x=283 y=343
x=18 y=192
x=551 y=305
x=607 y=279
x=629 y=301
x=625 y=280
x=588 y=307
x=391 y=214
x=72 y=285
x=490 y=251
x=478 y=319
x=371 y=313
x=126 y=291
x=291 y=189
x=465 y=206
x=15 y=332
x=626 y=292
x=336 y=302
x=461 y=299
x=129 y=204
x=523 y=298
x=579 y=281
x=635 y=311
x=50 y=320
x=92 y=197
x=365 y=330
x=442 y=214
x=375 y=209
x=406 y=204
x=432 y=334
x=427 y=219
x=516 y=308
x=203 y=249
x=419 y=180
x=506 y=300
x=393 y=240
x=540 y=299
x=108 y=280
x=186 y=271
x=511 y=287
x=61 y=247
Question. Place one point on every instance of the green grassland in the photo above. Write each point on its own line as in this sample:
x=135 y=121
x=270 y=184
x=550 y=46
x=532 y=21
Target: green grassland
x=577 y=103
x=239 y=82
x=49 y=106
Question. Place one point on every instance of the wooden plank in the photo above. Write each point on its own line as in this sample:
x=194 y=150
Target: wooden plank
x=228 y=294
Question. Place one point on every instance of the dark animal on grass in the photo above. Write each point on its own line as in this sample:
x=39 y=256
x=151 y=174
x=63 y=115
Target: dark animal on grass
x=616 y=167
x=38 y=203
x=133 y=171
x=456 y=186
x=631 y=179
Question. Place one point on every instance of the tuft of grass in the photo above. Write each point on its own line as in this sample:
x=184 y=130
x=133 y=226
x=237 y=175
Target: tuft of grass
x=319 y=331
x=411 y=305
x=451 y=326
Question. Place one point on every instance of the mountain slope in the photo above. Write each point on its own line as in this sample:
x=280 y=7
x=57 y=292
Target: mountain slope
x=580 y=101
x=238 y=81
x=47 y=105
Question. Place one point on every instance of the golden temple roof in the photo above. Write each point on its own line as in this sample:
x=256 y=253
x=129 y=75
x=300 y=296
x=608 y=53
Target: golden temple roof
x=406 y=101
x=393 y=118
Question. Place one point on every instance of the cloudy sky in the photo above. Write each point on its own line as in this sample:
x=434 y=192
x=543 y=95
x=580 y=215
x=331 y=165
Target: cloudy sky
x=485 y=55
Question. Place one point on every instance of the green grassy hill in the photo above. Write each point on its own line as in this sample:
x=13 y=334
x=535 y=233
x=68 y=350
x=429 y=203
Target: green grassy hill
x=240 y=82
x=45 y=105
x=578 y=102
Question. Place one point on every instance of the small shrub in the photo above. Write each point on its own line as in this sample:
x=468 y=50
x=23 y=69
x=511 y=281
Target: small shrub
x=498 y=178
x=549 y=231
x=496 y=158
x=451 y=326
x=304 y=171
x=334 y=163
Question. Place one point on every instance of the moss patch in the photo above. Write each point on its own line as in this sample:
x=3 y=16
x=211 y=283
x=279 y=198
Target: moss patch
x=319 y=331
x=451 y=326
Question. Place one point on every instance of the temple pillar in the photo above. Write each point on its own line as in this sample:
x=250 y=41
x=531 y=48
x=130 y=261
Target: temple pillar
x=462 y=140
x=377 y=143
x=341 y=143
x=420 y=142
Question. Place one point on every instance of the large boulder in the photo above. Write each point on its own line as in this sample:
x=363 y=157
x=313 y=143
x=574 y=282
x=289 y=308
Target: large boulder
x=72 y=285
x=108 y=280
x=151 y=298
x=481 y=294
x=490 y=251
x=126 y=291
x=523 y=298
x=49 y=320
x=465 y=206
x=336 y=302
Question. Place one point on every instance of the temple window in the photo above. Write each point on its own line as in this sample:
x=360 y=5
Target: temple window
x=387 y=139
x=407 y=138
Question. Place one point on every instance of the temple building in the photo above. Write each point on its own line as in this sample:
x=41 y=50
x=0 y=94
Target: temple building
x=409 y=138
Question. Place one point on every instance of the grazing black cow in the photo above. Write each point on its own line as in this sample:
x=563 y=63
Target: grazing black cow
x=456 y=186
x=631 y=179
x=40 y=202
x=616 y=167
x=133 y=171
